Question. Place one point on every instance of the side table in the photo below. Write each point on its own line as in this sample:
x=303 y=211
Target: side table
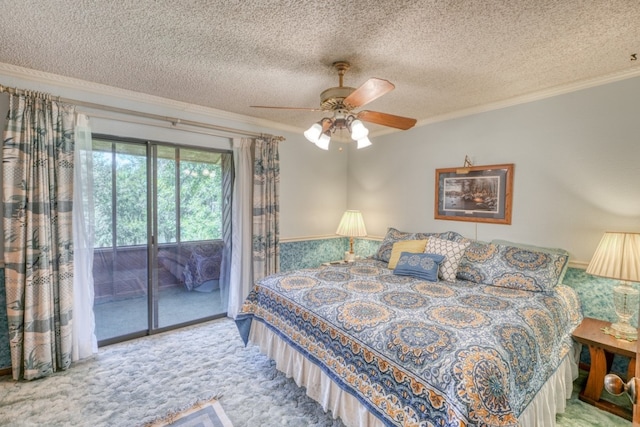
x=602 y=348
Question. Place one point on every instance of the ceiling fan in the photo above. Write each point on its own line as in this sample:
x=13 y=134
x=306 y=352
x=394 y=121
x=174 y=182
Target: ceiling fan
x=341 y=101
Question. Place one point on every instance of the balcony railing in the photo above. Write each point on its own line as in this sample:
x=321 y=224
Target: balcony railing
x=122 y=273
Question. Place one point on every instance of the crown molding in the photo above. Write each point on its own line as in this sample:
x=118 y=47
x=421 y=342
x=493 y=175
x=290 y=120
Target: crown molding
x=523 y=99
x=215 y=114
x=43 y=77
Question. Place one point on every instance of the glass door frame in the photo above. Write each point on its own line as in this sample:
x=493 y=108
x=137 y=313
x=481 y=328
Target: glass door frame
x=153 y=291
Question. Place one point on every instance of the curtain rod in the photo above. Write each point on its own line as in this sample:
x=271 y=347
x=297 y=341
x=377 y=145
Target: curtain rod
x=118 y=110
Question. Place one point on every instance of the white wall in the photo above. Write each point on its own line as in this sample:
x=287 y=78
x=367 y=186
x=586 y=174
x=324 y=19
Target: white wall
x=313 y=188
x=313 y=191
x=577 y=169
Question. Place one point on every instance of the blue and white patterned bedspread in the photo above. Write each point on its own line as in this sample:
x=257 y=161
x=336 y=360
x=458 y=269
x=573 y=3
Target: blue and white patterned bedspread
x=417 y=353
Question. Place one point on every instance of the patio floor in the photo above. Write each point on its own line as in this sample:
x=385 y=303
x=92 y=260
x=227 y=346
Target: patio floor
x=176 y=305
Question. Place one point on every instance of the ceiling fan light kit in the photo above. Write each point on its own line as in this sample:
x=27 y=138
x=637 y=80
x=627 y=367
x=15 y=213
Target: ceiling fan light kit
x=323 y=141
x=342 y=100
x=320 y=133
x=358 y=131
x=314 y=132
x=363 y=143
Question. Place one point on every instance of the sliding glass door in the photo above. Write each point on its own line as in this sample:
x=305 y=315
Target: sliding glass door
x=162 y=232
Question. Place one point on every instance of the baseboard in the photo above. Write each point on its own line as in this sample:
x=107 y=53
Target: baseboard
x=5 y=371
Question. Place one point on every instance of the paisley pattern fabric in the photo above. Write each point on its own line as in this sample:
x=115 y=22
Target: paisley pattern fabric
x=418 y=353
x=421 y=266
x=393 y=236
x=203 y=265
x=512 y=267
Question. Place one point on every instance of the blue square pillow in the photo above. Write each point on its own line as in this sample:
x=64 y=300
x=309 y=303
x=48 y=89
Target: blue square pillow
x=422 y=266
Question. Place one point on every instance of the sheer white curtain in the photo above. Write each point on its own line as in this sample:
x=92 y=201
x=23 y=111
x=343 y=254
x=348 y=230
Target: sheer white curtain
x=84 y=339
x=241 y=276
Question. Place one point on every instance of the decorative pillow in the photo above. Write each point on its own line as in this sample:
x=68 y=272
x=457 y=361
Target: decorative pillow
x=512 y=267
x=422 y=266
x=552 y=251
x=452 y=251
x=393 y=236
x=413 y=246
x=456 y=237
x=476 y=254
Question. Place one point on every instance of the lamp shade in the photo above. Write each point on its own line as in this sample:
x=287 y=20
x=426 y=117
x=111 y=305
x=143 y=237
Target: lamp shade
x=358 y=130
x=352 y=225
x=313 y=133
x=617 y=257
x=323 y=141
x=363 y=142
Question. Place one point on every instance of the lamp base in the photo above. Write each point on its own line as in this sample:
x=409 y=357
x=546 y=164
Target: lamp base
x=625 y=301
x=349 y=256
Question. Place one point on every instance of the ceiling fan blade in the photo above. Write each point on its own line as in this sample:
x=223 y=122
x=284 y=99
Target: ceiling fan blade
x=385 y=119
x=370 y=90
x=287 y=108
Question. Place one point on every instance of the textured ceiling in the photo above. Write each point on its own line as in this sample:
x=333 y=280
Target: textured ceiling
x=443 y=56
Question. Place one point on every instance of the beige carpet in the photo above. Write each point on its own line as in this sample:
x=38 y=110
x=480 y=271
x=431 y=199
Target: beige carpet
x=137 y=382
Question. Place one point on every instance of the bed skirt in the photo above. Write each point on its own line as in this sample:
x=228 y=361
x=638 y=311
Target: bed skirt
x=550 y=400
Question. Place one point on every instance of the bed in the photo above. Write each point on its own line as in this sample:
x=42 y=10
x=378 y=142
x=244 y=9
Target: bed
x=195 y=265
x=456 y=333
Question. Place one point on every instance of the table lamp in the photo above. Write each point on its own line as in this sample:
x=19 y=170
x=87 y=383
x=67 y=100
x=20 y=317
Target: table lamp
x=618 y=257
x=351 y=225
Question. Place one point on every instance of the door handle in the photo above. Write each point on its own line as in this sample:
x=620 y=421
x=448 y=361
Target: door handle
x=614 y=385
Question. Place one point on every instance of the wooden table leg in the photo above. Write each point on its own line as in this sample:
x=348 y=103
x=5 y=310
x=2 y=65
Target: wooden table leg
x=600 y=365
x=595 y=382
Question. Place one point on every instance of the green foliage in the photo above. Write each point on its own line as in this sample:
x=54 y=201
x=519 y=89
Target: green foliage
x=200 y=201
x=200 y=190
x=102 y=199
x=131 y=200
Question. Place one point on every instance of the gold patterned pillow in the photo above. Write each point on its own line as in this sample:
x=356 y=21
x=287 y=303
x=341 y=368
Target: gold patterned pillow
x=413 y=246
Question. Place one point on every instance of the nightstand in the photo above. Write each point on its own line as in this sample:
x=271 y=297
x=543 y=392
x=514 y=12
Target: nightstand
x=602 y=348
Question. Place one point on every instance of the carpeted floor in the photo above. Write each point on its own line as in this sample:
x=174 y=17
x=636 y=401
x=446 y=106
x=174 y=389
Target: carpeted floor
x=136 y=382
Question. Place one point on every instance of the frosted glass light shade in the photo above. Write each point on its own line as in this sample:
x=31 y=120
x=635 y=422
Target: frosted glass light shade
x=363 y=142
x=358 y=131
x=313 y=133
x=323 y=141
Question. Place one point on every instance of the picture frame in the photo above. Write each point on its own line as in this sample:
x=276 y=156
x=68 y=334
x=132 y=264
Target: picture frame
x=475 y=193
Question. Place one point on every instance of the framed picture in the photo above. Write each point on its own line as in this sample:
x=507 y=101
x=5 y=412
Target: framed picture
x=476 y=193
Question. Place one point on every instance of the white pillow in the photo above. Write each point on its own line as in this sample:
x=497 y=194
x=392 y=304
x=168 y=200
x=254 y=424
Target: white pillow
x=453 y=252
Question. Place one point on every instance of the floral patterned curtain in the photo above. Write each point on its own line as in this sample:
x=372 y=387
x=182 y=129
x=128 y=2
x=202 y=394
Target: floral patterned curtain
x=38 y=167
x=266 y=207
